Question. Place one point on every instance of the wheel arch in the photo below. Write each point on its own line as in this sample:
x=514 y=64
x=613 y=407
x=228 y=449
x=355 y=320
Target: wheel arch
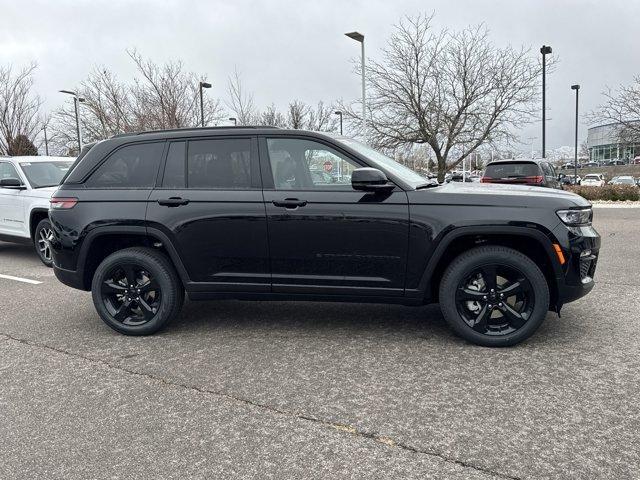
x=36 y=215
x=102 y=241
x=531 y=242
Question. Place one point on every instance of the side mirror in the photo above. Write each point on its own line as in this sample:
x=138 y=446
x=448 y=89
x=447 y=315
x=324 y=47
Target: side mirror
x=370 y=180
x=12 y=183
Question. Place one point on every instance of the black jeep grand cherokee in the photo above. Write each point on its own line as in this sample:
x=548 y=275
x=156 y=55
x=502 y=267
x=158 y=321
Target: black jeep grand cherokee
x=269 y=214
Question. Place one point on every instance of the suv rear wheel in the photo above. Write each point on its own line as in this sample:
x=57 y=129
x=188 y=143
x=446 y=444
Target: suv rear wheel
x=494 y=296
x=41 y=241
x=136 y=291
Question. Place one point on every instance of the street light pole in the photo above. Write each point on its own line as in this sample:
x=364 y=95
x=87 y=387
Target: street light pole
x=359 y=37
x=76 y=101
x=338 y=112
x=202 y=85
x=46 y=141
x=544 y=51
x=234 y=120
x=575 y=154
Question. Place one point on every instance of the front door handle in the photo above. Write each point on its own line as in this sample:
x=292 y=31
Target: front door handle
x=290 y=203
x=173 y=201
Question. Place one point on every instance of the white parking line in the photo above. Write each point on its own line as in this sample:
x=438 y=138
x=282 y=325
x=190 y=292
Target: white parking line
x=18 y=279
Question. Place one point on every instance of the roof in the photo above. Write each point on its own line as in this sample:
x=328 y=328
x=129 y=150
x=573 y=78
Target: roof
x=173 y=131
x=40 y=158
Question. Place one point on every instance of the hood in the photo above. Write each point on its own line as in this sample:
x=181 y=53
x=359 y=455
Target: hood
x=499 y=194
x=44 y=192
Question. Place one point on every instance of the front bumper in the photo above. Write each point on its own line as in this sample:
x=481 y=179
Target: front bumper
x=581 y=247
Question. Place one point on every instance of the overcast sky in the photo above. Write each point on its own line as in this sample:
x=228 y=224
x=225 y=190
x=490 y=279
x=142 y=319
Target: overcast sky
x=289 y=49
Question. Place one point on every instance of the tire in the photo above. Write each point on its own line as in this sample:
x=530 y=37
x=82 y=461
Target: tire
x=155 y=299
x=41 y=239
x=505 y=317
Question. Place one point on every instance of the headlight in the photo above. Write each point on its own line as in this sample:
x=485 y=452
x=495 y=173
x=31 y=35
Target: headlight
x=576 y=218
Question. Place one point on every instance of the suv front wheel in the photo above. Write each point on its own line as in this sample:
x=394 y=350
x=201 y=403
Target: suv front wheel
x=136 y=291
x=494 y=296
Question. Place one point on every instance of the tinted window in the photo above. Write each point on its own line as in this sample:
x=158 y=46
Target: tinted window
x=223 y=163
x=45 y=174
x=132 y=166
x=174 y=169
x=8 y=171
x=512 y=170
x=305 y=164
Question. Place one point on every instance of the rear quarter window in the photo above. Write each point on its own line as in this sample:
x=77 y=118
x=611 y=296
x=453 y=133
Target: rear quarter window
x=512 y=170
x=131 y=166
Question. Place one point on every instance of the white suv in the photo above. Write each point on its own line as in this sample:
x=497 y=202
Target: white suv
x=594 y=180
x=26 y=185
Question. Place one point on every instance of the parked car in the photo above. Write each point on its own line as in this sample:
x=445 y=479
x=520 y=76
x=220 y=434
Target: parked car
x=594 y=180
x=623 y=180
x=613 y=162
x=539 y=173
x=570 y=179
x=233 y=213
x=26 y=185
x=590 y=164
x=636 y=160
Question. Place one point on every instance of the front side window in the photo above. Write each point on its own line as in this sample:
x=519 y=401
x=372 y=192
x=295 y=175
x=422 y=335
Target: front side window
x=132 y=166
x=300 y=164
x=45 y=174
x=220 y=164
x=8 y=171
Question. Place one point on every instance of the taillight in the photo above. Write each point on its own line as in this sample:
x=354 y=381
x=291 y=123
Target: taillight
x=63 y=203
x=486 y=180
x=536 y=179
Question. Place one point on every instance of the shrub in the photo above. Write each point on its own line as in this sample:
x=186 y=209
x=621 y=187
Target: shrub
x=608 y=192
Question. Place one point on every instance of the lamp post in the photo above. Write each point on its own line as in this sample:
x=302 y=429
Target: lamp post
x=359 y=37
x=46 y=140
x=575 y=153
x=338 y=112
x=202 y=85
x=76 y=101
x=234 y=120
x=544 y=50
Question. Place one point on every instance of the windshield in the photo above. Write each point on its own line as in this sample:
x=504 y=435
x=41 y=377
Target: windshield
x=388 y=164
x=45 y=174
x=592 y=177
x=625 y=181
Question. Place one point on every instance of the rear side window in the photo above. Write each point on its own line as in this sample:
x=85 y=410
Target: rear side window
x=220 y=164
x=174 y=169
x=132 y=166
x=512 y=170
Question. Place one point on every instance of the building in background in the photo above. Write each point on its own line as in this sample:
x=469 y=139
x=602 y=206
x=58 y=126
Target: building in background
x=604 y=143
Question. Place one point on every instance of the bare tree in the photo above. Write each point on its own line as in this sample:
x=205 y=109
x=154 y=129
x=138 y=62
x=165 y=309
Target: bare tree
x=240 y=101
x=161 y=96
x=19 y=111
x=272 y=117
x=622 y=107
x=453 y=91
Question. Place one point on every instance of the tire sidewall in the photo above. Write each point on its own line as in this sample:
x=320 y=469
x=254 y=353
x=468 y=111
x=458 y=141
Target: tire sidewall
x=464 y=264
x=44 y=223
x=170 y=292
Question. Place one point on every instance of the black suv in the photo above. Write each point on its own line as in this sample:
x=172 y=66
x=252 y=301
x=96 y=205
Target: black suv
x=141 y=219
x=537 y=173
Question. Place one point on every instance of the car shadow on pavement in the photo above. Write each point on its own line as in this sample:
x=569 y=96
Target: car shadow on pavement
x=15 y=253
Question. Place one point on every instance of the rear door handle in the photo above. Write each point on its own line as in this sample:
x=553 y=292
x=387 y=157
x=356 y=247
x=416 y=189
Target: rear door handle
x=173 y=202
x=290 y=203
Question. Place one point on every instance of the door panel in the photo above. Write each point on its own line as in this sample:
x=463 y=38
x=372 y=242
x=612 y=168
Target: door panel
x=340 y=242
x=12 y=221
x=325 y=237
x=219 y=226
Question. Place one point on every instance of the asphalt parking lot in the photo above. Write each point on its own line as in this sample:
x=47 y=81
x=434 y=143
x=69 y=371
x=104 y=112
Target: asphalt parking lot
x=310 y=390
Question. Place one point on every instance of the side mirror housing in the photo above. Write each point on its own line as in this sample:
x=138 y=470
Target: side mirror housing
x=370 y=180
x=13 y=183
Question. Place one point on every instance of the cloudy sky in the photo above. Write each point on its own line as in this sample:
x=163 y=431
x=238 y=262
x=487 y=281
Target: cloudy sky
x=295 y=49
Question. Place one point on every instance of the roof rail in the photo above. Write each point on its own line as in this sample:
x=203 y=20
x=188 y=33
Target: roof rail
x=190 y=129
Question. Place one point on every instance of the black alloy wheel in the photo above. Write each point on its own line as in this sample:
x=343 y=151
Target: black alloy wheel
x=495 y=299
x=130 y=294
x=494 y=296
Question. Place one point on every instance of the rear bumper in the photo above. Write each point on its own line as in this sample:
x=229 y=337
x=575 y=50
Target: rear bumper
x=71 y=278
